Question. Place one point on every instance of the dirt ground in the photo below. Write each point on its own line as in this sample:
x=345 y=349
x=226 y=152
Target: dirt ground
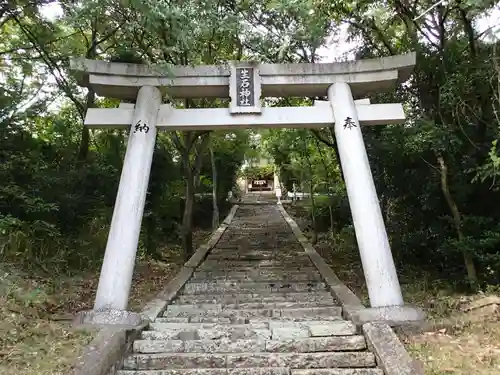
x=36 y=337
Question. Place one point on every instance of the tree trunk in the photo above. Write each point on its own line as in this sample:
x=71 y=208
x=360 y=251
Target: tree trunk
x=187 y=217
x=90 y=102
x=314 y=237
x=457 y=220
x=337 y=154
x=85 y=137
x=330 y=209
x=215 y=212
x=328 y=179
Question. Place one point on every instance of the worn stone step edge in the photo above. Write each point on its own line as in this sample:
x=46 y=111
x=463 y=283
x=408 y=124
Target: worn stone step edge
x=255 y=273
x=278 y=330
x=235 y=290
x=287 y=261
x=172 y=312
x=271 y=304
x=252 y=345
x=247 y=319
x=256 y=285
x=223 y=266
x=261 y=250
x=237 y=301
x=242 y=256
x=226 y=266
x=250 y=305
x=239 y=360
x=302 y=294
x=203 y=288
x=223 y=279
x=217 y=371
x=256 y=371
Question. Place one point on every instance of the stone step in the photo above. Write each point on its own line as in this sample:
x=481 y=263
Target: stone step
x=337 y=371
x=285 y=262
x=233 y=298
x=255 y=268
x=284 y=231
x=327 y=313
x=282 y=286
x=271 y=258
x=297 y=345
x=281 y=304
x=221 y=278
x=206 y=331
x=217 y=264
x=271 y=304
x=284 y=330
x=255 y=273
x=239 y=244
x=256 y=371
x=280 y=275
x=219 y=371
x=276 y=330
x=255 y=258
x=254 y=245
x=241 y=249
x=243 y=320
x=262 y=250
x=246 y=360
x=291 y=261
x=258 y=279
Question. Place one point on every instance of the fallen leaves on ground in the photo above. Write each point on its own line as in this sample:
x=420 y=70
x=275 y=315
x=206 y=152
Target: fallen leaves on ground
x=462 y=342
x=35 y=315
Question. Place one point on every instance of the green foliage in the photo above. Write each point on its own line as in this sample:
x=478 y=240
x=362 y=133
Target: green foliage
x=59 y=182
x=258 y=172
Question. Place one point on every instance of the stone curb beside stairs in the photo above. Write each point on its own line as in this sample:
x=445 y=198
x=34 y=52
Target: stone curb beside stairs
x=390 y=353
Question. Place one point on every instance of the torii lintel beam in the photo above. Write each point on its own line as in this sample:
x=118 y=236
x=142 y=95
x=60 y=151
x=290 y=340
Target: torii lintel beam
x=122 y=80
x=318 y=116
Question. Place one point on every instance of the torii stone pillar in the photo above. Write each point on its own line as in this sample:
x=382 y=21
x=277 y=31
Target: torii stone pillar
x=119 y=259
x=376 y=257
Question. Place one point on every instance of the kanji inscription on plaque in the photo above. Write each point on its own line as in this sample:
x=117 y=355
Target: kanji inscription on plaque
x=245 y=87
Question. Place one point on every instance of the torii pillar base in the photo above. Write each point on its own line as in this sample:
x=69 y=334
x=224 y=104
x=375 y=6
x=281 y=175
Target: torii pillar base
x=395 y=316
x=120 y=319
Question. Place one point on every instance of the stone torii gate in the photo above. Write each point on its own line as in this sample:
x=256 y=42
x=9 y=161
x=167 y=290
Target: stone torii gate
x=245 y=83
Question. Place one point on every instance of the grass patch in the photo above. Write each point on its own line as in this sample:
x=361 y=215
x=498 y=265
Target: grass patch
x=36 y=312
x=456 y=342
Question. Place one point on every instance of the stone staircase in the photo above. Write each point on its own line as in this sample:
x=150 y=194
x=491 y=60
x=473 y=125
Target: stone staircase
x=256 y=305
x=259 y=197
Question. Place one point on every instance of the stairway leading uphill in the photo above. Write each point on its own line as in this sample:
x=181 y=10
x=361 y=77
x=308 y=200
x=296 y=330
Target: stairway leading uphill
x=256 y=305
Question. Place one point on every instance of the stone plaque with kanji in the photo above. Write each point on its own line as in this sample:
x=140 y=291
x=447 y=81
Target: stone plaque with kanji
x=245 y=88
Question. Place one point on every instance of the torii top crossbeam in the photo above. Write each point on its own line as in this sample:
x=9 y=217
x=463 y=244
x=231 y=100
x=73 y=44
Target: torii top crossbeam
x=123 y=80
